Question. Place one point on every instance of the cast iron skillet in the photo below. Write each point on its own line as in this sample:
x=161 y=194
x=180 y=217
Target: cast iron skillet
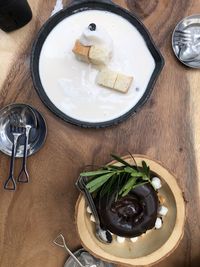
x=78 y=6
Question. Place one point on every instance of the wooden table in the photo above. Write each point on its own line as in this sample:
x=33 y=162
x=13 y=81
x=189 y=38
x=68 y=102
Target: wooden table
x=167 y=129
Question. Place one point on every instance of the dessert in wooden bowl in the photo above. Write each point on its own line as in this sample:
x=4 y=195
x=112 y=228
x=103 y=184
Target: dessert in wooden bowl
x=146 y=217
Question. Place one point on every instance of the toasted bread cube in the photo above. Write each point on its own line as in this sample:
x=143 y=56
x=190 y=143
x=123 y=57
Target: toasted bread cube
x=114 y=80
x=107 y=78
x=81 y=51
x=123 y=83
x=99 y=55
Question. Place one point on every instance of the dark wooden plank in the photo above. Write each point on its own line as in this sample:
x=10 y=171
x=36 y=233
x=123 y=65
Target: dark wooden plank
x=164 y=129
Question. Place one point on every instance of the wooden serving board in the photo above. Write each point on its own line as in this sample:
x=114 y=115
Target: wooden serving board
x=166 y=129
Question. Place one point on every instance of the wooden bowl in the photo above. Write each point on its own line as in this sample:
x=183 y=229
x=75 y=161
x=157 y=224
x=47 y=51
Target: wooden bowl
x=151 y=247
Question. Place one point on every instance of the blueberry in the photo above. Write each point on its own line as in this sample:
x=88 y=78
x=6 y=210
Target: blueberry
x=92 y=26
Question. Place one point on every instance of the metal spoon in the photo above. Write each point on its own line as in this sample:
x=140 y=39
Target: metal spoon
x=189 y=52
x=30 y=120
x=103 y=235
x=60 y=241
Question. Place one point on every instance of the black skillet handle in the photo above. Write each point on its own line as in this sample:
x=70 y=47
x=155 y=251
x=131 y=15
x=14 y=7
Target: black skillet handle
x=73 y=2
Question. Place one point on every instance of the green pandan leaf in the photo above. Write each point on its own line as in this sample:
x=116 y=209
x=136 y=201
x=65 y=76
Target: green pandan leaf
x=97 y=182
x=130 y=170
x=122 y=179
x=134 y=186
x=94 y=173
x=113 y=167
x=128 y=185
x=107 y=187
x=137 y=174
x=139 y=184
x=121 y=160
x=126 y=192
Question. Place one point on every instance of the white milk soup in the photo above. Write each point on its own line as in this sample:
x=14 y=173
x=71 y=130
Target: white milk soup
x=71 y=84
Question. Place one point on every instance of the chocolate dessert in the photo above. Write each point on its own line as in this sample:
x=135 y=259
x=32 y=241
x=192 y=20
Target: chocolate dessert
x=126 y=198
x=131 y=215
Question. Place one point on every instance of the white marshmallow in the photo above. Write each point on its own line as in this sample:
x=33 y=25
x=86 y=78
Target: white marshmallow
x=89 y=210
x=134 y=239
x=143 y=235
x=120 y=239
x=158 y=223
x=156 y=182
x=97 y=37
x=162 y=210
x=92 y=219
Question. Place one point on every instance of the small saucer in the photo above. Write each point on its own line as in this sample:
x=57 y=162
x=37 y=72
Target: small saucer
x=36 y=138
x=190 y=25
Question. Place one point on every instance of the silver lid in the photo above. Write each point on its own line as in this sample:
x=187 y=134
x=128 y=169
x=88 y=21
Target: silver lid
x=86 y=259
x=186 y=41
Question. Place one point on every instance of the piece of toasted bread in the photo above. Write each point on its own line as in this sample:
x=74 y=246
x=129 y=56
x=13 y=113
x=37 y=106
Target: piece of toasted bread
x=123 y=83
x=99 y=55
x=107 y=78
x=81 y=51
x=114 y=80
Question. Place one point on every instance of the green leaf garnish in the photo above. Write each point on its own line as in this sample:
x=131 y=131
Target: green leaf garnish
x=139 y=184
x=120 y=160
x=128 y=185
x=94 y=173
x=137 y=174
x=107 y=187
x=98 y=182
x=130 y=170
x=122 y=179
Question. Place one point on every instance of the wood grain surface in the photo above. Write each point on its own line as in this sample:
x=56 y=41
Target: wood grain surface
x=166 y=129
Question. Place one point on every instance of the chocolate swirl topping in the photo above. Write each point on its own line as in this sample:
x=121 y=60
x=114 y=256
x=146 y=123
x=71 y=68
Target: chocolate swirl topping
x=128 y=209
x=131 y=215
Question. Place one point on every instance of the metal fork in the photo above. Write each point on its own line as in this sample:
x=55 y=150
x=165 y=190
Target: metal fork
x=16 y=131
x=185 y=37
